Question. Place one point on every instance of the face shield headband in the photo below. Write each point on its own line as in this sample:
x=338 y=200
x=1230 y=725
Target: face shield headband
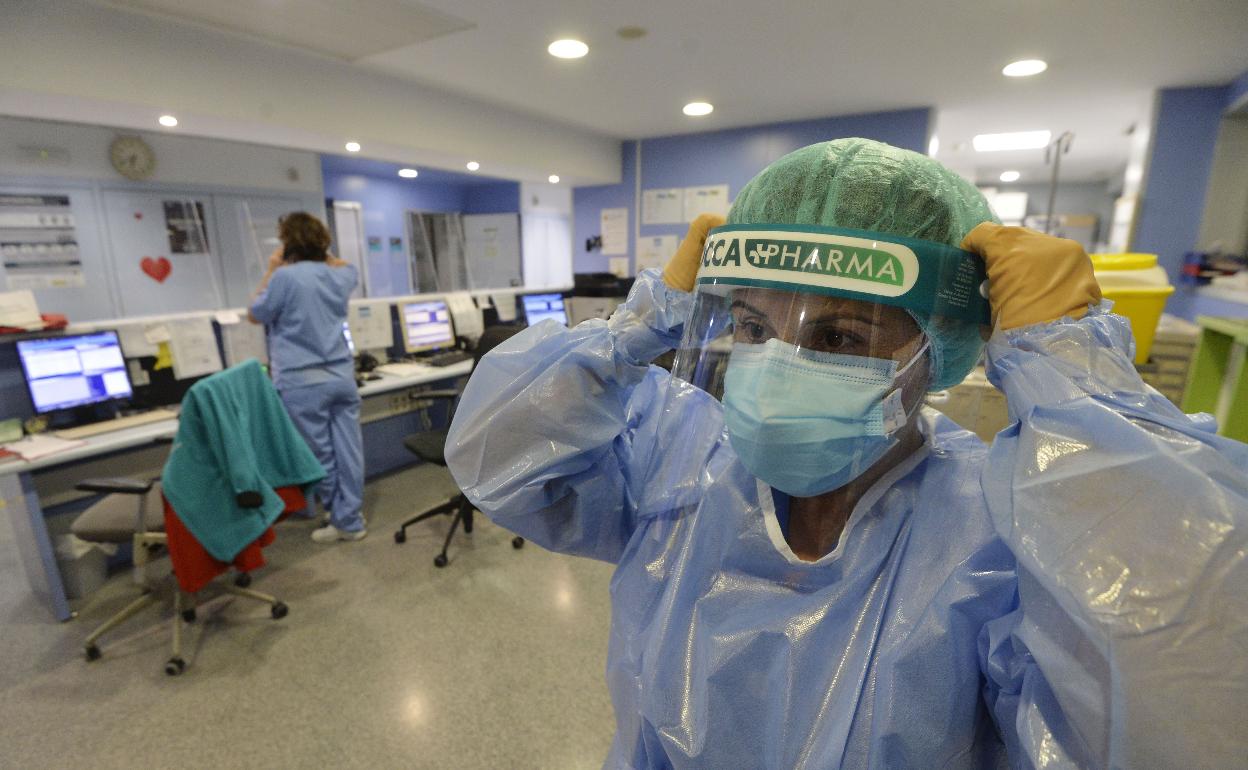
x=919 y=276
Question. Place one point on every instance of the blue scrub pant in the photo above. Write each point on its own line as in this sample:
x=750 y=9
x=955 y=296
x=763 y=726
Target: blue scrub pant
x=328 y=416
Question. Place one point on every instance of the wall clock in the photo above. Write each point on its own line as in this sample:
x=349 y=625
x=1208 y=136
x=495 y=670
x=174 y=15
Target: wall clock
x=132 y=157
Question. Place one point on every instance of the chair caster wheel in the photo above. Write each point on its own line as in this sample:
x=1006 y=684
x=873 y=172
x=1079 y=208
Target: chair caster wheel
x=517 y=542
x=175 y=666
x=243 y=580
x=189 y=615
x=439 y=560
x=279 y=610
x=400 y=537
x=93 y=652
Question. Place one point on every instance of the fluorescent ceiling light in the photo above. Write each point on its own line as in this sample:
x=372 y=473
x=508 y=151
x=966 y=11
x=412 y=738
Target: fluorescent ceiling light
x=168 y=121
x=473 y=165
x=567 y=49
x=553 y=179
x=1024 y=68
x=698 y=109
x=1019 y=140
x=408 y=173
x=1010 y=176
x=353 y=146
x=933 y=146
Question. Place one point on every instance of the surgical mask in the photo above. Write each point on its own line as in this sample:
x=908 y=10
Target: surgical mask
x=807 y=422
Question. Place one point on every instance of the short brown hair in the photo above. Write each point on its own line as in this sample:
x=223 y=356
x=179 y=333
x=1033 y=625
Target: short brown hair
x=304 y=237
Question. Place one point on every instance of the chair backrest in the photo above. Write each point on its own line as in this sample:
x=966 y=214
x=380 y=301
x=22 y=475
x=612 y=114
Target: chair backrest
x=492 y=337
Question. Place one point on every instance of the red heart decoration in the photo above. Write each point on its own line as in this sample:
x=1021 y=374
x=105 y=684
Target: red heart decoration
x=157 y=269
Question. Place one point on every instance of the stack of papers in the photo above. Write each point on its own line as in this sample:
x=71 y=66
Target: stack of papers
x=34 y=447
x=19 y=311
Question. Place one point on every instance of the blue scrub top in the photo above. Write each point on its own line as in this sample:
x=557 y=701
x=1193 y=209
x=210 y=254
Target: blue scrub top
x=303 y=309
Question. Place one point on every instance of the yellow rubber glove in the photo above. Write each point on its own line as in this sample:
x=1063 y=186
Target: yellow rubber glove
x=1032 y=277
x=682 y=268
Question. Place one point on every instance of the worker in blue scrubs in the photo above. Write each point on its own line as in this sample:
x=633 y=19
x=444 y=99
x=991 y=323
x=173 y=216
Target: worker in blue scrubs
x=813 y=569
x=302 y=301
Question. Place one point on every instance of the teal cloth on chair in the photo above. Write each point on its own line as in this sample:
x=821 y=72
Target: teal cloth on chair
x=234 y=436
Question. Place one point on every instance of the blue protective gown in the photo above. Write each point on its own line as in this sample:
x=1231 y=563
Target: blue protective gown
x=1077 y=595
x=303 y=309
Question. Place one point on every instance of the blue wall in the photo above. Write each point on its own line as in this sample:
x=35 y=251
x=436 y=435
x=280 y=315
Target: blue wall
x=733 y=156
x=386 y=197
x=1184 y=135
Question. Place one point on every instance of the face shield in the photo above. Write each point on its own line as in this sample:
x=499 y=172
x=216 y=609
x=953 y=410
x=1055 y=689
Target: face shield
x=821 y=343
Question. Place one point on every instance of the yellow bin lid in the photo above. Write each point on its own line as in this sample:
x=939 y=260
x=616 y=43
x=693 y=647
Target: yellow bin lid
x=1123 y=261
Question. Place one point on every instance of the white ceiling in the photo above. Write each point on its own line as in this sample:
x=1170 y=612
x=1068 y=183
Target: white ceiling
x=761 y=62
x=764 y=62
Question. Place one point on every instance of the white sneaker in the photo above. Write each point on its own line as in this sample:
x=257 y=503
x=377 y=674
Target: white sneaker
x=331 y=534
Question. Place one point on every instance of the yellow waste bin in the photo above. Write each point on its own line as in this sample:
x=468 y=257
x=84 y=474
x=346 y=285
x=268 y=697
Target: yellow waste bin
x=1138 y=289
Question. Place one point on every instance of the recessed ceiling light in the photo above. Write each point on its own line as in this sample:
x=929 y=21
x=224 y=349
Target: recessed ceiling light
x=168 y=121
x=553 y=179
x=1010 y=176
x=1019 y=140
x=698 y=109
x=567 y=49
x=1024 y=68
x=353 y=146
x=408 y=173
x=473 y=165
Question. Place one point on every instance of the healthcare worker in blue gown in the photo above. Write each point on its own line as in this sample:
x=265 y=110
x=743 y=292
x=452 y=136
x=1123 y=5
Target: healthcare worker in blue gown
x=813 y=570
x=302 y=301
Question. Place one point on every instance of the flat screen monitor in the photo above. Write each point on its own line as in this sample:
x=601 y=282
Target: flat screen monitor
x=539 y=307
x=346 y=333
x=73 y=371
x=427 y=326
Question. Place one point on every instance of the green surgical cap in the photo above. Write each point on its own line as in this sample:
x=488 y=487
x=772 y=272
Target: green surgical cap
x=868 y=185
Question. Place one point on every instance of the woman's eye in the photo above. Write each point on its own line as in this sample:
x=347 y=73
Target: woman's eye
x=753 y=332
x=831 y=340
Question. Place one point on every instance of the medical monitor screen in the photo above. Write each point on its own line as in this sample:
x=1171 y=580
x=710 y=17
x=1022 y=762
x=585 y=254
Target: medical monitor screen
x=79 y=370
x=346 y=333
x=427 y=326
x=539 y=307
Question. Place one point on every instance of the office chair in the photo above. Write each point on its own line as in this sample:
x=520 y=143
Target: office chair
x=430 y=446
x=200 y=444
x=111 y=520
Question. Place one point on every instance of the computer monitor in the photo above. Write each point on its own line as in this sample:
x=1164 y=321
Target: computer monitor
x=346 y=333
x=539 y=307
x=74 y=371
x=427 y=326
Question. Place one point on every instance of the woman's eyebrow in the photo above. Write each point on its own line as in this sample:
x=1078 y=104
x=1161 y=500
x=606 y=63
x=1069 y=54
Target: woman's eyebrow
x=747 y=307
x=843 y=316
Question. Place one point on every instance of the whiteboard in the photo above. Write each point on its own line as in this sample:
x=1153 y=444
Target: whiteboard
x=152 y=276
x=492 y=250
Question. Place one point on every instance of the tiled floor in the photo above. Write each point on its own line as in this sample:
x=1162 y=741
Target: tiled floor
x=384 y=661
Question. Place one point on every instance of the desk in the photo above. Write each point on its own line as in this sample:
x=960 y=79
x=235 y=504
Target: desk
x=20 y=500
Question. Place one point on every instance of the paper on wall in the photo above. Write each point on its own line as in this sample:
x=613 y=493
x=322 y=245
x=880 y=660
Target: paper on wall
x=709 y=199
x=194 y=348
x=19 y=310
x=156 y=333
x=243 y=341
x=505 y=304
x=227 y=317
x=663 y=206
x=654 y=251
x=618 y=266
x=465 y=315
x=614 y=231
x=134 y=342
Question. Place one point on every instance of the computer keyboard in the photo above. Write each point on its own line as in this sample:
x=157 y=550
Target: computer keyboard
x=448 y=358
x=108 y=426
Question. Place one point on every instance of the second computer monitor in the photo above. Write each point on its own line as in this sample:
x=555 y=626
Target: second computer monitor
x=539 y=307
x=427 y=326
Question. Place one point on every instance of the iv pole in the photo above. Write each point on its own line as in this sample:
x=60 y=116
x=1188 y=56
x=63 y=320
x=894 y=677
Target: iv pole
x=1053 y=154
